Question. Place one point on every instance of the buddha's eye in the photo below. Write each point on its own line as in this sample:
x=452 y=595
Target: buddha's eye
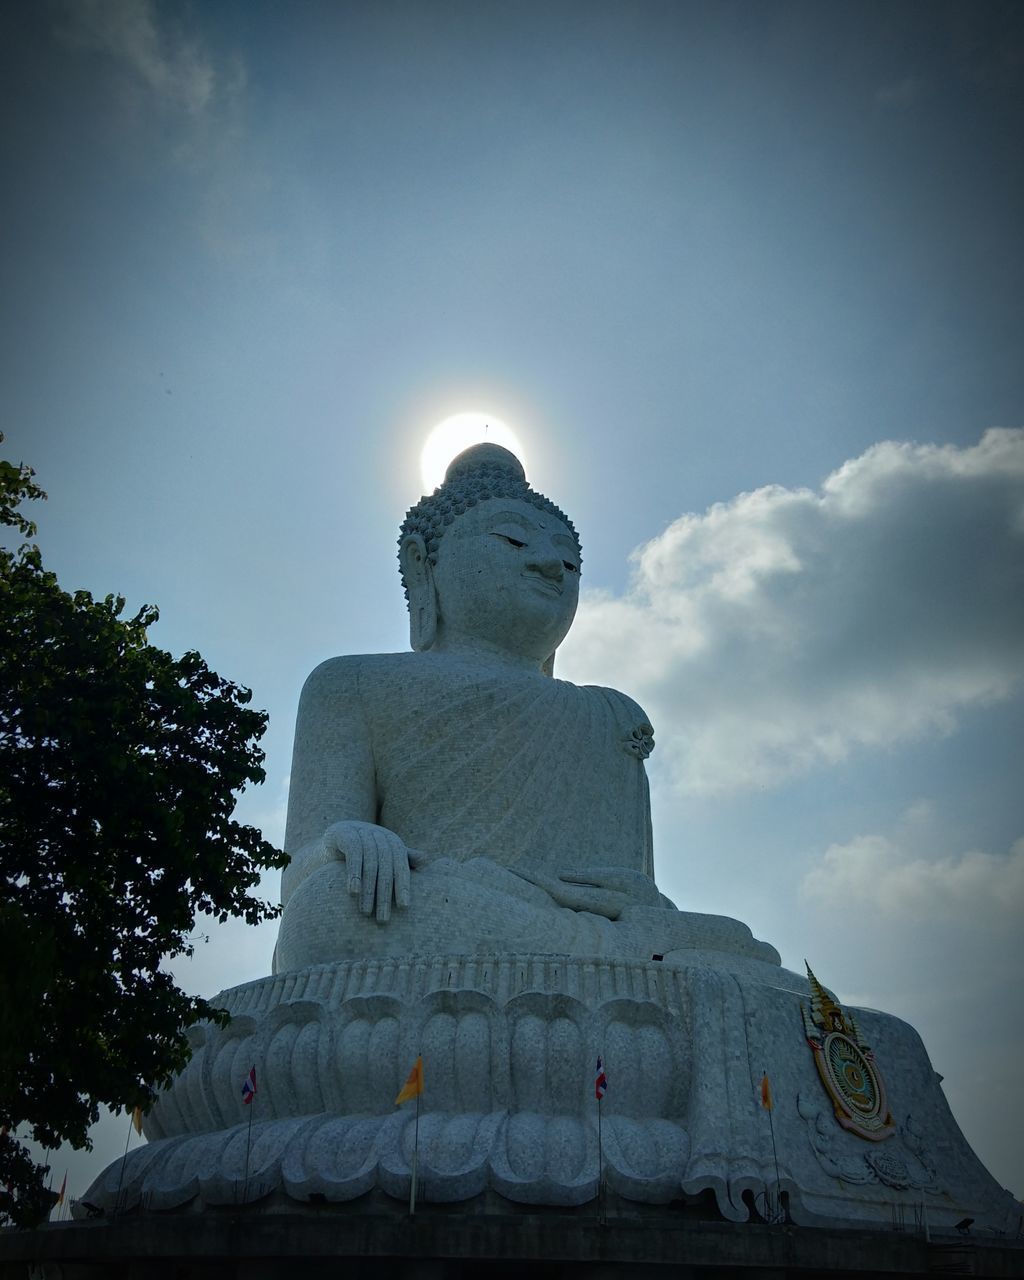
x=514 y=541
x=572 y=568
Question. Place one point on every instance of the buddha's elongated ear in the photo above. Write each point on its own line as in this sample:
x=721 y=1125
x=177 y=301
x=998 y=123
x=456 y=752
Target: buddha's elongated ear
x=548 y=666
x=419 y=581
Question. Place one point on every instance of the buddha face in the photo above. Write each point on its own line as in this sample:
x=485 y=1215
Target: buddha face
x=508 y=575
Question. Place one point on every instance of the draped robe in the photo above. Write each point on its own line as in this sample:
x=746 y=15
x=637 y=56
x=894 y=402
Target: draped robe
x=489 y=773
x=530 y=772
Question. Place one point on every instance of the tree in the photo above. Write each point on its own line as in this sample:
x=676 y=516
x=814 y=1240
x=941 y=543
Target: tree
x=119 y=767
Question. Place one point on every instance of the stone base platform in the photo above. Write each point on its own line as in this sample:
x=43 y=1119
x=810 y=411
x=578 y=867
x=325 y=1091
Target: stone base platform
x=509 y=1045
x=462 y=1242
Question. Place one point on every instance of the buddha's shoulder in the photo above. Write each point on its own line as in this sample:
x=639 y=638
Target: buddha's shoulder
x=621 y=704
x=354 y=671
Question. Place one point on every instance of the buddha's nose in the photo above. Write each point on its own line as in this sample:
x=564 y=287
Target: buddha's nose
x=550 y=566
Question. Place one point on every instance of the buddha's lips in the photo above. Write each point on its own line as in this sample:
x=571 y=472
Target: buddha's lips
x=544 y=582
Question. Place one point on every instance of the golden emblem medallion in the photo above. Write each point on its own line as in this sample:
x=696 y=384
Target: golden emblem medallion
x=846 y=1066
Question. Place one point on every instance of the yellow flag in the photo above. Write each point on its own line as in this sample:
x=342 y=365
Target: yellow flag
x=766 y=1093
x=137 y=1120
x=413 y=1087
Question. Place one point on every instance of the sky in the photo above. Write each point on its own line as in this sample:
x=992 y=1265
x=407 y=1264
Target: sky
x=744 y=279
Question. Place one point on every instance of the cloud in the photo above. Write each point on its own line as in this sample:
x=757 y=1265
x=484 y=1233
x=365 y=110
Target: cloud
x=176 y=69
x=872 y=872
x=187 y=103
x=781 y=630
x=937 y=941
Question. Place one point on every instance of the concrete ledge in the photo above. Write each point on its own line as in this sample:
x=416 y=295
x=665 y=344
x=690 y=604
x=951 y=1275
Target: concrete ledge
x=453 y=1245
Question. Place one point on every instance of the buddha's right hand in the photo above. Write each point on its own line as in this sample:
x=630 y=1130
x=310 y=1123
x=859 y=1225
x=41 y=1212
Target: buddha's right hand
x=378 y=865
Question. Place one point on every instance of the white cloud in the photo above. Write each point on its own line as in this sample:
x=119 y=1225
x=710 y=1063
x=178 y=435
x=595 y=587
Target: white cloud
x=871 y=872
x=781 y=630
x=178 y=70
x=187 y=102
x=936 y=941
x=921 y=811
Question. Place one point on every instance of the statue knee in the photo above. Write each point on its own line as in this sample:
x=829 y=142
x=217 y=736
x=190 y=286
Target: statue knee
x=318 y=913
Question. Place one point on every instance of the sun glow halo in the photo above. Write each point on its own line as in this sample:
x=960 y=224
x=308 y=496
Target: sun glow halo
x=450 y=437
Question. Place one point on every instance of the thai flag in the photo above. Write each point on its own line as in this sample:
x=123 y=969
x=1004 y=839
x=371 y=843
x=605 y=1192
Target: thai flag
x=249 y=1087
x=600 y=1081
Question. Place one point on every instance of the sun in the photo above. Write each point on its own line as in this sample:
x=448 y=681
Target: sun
x=450 y=437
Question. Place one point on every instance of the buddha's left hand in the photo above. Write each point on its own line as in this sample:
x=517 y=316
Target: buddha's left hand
x=603 y=891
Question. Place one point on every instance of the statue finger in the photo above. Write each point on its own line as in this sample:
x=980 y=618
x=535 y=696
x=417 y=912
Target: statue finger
x=354 y=863
x=538 y=878
x=613 y=878
x=582 y=900
x=385 y=875
x=598 y=902
x=576 y=897
x=403 y=889
x=368 y=888
x=580 y=878
x=632 y=887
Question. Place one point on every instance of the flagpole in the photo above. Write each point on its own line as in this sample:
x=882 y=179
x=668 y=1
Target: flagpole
x=62 y=1198
x=412 y=1088
x=775 y=1154
x=415 y=1159
x=600 y=1164
x=248 y=1146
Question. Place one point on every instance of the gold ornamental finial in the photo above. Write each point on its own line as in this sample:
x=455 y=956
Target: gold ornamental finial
x=824 y=1010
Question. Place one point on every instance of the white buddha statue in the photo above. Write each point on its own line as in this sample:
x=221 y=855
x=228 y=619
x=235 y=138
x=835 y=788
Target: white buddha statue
x=472 y=882
x=459 y=798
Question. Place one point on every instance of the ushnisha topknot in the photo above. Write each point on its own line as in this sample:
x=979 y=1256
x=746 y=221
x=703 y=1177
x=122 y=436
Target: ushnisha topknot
x=480 y=472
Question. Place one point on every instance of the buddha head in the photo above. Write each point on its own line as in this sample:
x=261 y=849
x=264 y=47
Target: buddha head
x=487 y=562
